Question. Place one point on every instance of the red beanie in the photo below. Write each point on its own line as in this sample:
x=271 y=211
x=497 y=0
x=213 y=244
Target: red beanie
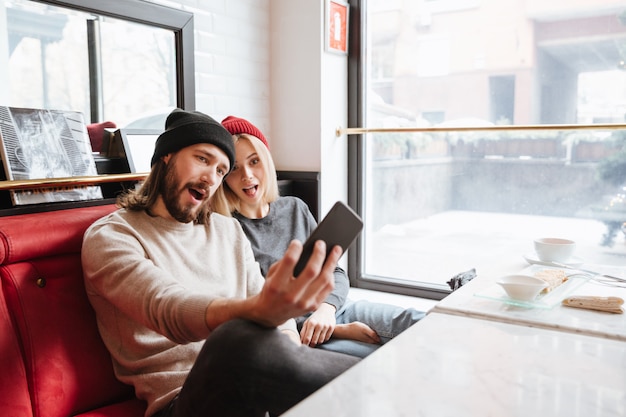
x=237 y=125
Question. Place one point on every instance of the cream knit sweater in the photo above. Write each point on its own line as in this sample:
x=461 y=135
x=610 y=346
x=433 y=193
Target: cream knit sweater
x=150 y=281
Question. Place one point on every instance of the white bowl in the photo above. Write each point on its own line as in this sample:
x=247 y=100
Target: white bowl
x=522 y=287
x=553 y=249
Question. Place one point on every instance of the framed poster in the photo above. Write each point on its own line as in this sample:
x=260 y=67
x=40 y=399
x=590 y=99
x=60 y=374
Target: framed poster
x=337 y=12
x=40 y=144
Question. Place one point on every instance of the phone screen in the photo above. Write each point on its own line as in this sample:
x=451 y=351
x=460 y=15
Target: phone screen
x=340 y=227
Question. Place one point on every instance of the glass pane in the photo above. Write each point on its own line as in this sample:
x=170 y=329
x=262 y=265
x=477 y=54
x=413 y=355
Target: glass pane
x=438 y=203
x=139 y=77
x=47 y=62
x=47 y=58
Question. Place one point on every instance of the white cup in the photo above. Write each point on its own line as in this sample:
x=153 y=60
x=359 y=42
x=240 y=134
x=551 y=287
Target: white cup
x=522 y=287
x=552 y=249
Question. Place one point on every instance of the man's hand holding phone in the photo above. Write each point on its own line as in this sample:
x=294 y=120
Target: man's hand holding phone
x=284 y=297
x=312 y=263
x=340 y=227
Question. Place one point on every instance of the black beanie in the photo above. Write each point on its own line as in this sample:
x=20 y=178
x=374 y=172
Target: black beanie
x=186 y=128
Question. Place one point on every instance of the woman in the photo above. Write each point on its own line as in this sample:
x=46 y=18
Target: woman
x=250 y=194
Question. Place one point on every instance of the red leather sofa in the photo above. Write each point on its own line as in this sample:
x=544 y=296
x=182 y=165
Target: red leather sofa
x=52 y=360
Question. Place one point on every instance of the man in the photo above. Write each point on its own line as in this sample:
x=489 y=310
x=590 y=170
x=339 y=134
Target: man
x=180 y=302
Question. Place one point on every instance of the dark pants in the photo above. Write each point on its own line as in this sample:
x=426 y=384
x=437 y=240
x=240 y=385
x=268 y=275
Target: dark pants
x=247 y=370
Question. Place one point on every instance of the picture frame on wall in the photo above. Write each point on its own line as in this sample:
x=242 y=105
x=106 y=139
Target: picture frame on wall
x=37 y=144
x=337 y=18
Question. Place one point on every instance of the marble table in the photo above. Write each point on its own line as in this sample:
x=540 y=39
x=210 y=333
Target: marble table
x=449 y=365
x=479 y=299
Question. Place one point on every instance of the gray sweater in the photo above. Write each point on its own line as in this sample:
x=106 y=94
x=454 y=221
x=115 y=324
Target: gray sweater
x=288 y=218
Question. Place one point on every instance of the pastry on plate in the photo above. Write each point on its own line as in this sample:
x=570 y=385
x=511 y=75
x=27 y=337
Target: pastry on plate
x=554 y=278
x=608 y=304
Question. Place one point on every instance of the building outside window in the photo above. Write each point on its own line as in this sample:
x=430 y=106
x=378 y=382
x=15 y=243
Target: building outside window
x=501 y=77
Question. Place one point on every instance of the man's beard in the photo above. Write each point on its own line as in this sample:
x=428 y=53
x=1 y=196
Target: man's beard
x=170 y=191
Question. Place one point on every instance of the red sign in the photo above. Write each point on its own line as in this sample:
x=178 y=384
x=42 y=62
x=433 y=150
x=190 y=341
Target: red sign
x=337 y=26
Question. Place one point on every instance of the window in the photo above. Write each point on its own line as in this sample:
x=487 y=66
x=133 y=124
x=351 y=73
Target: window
x=114 y=60
x=519 y=109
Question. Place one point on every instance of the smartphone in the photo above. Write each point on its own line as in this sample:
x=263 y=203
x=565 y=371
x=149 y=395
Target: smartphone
x=340 y=227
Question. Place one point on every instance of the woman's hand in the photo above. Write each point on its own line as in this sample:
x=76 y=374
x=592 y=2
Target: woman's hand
x=319 y=327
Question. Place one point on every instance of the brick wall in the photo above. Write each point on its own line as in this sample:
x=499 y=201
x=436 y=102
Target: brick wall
x=232 y=57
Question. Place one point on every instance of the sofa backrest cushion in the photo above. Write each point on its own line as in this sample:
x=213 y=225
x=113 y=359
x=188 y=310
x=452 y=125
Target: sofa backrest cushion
x=68 y=368
x=36 y=235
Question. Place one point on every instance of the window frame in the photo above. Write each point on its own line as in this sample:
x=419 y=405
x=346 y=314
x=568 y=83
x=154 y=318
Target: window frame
x=356 y=155
x=178 y=21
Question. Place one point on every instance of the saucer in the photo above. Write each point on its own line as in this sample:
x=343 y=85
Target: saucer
x=543 y=301
x=573 y=262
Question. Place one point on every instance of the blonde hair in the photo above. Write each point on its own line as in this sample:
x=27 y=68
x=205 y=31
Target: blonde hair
x=226 y=202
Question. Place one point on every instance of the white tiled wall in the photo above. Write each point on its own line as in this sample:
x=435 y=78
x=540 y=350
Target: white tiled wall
x=232 y=57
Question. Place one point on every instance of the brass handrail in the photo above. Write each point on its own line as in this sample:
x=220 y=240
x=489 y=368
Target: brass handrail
x=69 y=181
x=101 y=179
x=359 y=130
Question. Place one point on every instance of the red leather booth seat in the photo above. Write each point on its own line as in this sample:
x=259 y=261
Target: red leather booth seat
x=14 y=399
x=52 y=360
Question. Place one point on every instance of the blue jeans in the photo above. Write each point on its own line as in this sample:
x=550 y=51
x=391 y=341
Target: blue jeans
x=245 y=369
x=386 y=320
